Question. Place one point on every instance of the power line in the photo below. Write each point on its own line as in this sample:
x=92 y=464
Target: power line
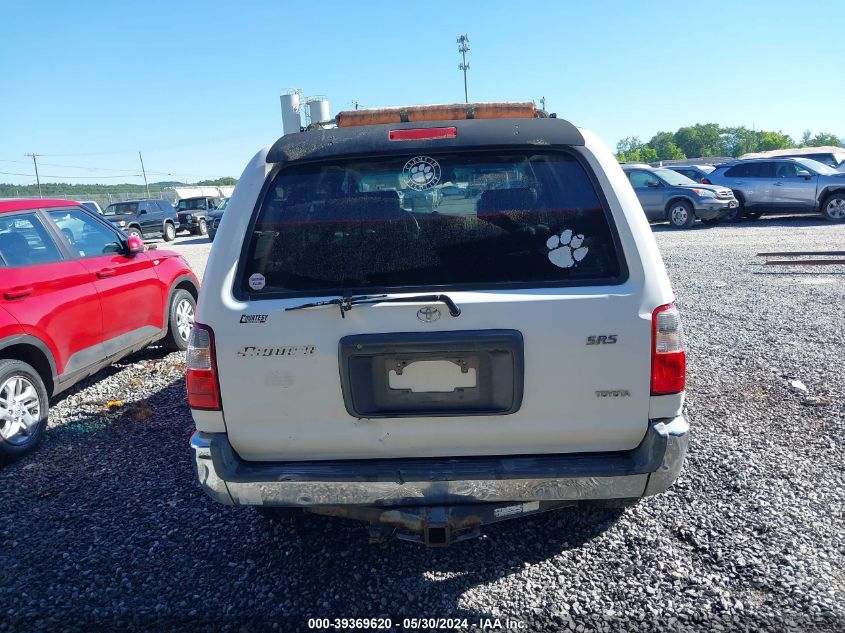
x=13 y=173
x=152 y=148
x=129 y=172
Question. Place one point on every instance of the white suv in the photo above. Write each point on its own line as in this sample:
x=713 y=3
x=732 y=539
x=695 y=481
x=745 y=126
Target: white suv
x=433 y=325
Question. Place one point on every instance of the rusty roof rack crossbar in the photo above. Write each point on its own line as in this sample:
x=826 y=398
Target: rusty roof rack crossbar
x=439 y=112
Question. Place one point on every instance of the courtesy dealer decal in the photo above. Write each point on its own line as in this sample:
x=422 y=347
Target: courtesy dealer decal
x=254 y=318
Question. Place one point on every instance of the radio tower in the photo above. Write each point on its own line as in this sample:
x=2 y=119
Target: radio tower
x=463 y=47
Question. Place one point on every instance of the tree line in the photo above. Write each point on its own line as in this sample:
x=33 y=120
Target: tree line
x=83 y=191
x=711 y=139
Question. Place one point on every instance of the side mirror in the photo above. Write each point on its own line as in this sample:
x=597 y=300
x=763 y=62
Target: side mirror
x=803 y=173
x=134 y=245
x=654 y=184
x=142 y=212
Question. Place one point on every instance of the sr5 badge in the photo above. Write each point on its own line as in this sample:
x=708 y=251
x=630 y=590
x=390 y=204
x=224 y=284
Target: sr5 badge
x=602 y=339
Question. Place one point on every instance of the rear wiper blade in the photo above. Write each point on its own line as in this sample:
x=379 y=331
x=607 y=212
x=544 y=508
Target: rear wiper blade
x=345 y=303
x=454 y=310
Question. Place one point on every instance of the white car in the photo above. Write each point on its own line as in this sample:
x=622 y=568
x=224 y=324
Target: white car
x=431 y=369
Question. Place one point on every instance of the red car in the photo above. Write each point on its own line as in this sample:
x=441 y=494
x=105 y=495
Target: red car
x=76 y=294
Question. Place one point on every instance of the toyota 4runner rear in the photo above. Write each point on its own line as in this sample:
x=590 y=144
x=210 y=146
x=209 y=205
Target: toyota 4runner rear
x=432 y=318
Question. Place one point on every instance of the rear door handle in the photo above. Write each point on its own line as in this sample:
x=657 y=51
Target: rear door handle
x=778 y=184
x=17 y=293
x=106 y=272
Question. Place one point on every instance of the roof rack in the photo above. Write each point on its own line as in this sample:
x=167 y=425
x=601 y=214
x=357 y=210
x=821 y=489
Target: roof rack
x=440 y=112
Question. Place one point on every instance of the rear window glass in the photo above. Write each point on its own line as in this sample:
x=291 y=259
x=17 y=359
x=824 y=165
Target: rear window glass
x=122 y=208
x=460 y=220
x=192 y=204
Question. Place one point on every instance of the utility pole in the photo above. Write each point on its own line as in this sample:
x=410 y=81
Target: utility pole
x=37 y=179
x=144 y=171
x=463 y=47
x=543 y=104
x=356 y=104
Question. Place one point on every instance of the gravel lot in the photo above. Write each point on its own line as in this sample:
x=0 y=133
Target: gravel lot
x=104 y=525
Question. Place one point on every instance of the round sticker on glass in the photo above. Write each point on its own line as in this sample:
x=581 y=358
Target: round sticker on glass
x=256 y=281
x=421 y=173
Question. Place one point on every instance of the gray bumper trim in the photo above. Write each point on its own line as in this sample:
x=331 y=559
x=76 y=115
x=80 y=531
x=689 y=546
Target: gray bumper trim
x=648 y=469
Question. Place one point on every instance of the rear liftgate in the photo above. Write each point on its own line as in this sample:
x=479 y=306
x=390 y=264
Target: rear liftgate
x=395 y=375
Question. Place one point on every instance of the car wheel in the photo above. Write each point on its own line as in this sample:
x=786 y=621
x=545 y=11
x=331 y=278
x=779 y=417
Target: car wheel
x=169 y=232
x=181 y=320
x=23 y=408
x=834 y=207
x=681 y=214
x=202 y=227
x=711 y=221
x=134 y=231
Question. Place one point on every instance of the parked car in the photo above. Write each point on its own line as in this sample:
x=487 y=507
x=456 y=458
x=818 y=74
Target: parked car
x=666 y=195
x=831 y=156
x=193 y=213
x=214 y=218
x=429 y=371
x=144 y=218
x=693 y=172
x=91 y=205
x=70 y=307
x=796 y=185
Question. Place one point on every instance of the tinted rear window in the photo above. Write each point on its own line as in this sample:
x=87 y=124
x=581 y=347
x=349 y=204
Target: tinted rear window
x=459 y=220
x=122 y=208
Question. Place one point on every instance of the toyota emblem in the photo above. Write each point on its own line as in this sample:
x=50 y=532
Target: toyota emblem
x=428 y=314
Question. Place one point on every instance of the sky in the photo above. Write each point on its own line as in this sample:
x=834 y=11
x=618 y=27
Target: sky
x=195 y=85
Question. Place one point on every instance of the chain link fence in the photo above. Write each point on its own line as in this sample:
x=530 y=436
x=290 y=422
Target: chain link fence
x=101 y=197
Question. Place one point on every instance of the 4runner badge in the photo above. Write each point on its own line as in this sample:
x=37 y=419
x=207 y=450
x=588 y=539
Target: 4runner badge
x=422 y=172
x=428 y=314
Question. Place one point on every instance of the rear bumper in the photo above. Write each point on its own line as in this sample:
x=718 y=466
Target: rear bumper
x=646 y=470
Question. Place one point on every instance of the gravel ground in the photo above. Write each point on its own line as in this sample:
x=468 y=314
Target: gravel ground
x=105 y=527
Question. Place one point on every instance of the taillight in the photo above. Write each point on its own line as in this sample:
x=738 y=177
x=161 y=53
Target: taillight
x=706 y=181
x=423 y=134
x=201 y=375
x=668 y=356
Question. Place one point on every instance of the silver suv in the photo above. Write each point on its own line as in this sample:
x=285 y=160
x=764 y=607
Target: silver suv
x=784 y=184
x=667 y=195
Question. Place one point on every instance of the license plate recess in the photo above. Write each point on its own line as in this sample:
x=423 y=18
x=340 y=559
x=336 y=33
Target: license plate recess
x=480 y=373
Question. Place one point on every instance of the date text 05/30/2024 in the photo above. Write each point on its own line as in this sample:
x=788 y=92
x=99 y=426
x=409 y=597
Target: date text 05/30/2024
x=351 y=624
